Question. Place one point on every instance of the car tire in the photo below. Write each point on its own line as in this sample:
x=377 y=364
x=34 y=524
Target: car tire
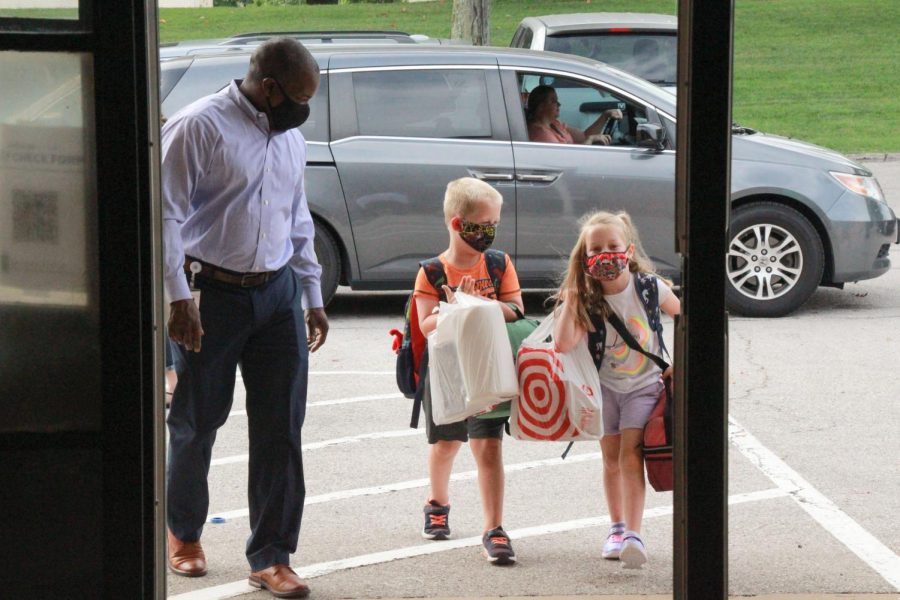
x=329 y=257
x=774 y=262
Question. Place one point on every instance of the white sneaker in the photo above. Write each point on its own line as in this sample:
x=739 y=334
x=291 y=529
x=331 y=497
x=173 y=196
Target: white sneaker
x=633 y=554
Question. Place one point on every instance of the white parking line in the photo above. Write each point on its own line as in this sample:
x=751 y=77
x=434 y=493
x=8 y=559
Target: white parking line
x=352 y=373
x=416 y=483
x=239 y=376
x=847 y=531
x=238 y=588
x=378 y=435
x=352 y=399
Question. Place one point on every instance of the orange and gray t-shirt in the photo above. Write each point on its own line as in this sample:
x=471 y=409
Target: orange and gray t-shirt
x=509 y=284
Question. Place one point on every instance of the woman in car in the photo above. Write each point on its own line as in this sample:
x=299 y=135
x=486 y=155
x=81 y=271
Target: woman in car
x=542 y=116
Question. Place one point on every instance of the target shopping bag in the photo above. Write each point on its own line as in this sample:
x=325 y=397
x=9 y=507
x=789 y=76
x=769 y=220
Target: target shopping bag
x=559 y=392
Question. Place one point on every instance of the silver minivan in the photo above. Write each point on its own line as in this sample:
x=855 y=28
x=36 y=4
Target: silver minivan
x=390 y=126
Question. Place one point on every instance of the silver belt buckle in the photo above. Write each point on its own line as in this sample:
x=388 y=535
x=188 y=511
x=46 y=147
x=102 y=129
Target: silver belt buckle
x=244 y=278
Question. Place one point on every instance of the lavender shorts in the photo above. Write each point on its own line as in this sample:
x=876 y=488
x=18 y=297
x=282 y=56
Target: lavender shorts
x=628 y=410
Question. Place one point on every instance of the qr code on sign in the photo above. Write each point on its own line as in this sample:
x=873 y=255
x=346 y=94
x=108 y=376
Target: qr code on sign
x=35 y=216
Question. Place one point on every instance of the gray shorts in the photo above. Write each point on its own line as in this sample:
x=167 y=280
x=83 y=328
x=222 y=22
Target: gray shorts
x=628 y=410
x=460 y=431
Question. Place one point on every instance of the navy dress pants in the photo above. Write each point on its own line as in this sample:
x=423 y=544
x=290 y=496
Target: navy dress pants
x=262 y=329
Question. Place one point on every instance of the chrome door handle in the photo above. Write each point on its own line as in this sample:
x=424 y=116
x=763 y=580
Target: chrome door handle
x=538 y=177
x=492 y=176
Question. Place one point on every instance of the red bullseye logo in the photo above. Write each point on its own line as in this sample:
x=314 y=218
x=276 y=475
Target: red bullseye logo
x=542 y=413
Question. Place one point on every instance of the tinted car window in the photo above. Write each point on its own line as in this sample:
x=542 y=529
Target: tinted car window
x=316 y=127
x=523 y=38
x=170 y=76
x=179 y=86
x=438 y=103
x=651 y=56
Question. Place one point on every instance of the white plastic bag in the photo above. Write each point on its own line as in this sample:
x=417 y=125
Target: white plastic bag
x=559 y=392
x=470 y=365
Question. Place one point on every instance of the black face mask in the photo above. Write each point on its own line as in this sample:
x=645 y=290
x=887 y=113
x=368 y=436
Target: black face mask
x=288 y=114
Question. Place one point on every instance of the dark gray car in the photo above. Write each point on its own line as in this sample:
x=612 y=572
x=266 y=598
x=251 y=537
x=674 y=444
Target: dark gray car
x=391 y=126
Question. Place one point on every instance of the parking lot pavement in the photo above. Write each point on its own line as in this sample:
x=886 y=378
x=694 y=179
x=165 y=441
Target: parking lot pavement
x=813 y=471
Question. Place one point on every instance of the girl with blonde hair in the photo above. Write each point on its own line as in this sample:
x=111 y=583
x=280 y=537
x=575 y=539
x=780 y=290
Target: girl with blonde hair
x=607 y=271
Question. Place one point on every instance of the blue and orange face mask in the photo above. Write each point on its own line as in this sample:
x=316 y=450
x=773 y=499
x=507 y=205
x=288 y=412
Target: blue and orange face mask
x=479 y=236
x=606 y=266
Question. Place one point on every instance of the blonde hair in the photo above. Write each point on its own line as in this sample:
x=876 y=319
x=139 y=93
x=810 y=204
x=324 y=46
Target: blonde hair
x=465 y=195
x=582 y=289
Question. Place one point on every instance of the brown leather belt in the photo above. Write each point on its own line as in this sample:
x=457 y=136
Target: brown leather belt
x=215 y=273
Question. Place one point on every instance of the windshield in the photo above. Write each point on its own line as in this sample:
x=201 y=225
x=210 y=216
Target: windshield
x=650 y=55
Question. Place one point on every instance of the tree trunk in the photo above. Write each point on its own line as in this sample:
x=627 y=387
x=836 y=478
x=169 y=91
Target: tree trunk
x=472 y=21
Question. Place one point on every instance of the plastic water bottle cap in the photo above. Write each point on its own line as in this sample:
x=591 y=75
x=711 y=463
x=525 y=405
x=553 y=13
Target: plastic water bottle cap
x=217 y=520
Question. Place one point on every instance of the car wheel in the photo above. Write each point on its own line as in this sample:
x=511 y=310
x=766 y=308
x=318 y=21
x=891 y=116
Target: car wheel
x=775 y=260
x=330 y=258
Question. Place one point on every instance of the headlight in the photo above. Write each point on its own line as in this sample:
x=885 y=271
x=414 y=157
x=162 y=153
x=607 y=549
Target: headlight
x=864 y=186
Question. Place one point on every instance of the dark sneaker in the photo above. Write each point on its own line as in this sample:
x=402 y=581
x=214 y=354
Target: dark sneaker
x=437 y=524
x=497 y=547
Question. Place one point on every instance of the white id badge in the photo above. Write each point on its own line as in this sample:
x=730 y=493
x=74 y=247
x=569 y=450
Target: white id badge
x=195 y=268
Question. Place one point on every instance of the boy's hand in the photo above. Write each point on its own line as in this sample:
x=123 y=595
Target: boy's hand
x=467 y=286
x=449 y=295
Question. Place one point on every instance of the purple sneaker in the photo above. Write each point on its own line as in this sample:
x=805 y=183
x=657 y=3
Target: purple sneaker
x=633 y=554
x=613 y=545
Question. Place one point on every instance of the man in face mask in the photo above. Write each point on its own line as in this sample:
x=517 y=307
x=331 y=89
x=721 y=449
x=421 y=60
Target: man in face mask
x=243 y=284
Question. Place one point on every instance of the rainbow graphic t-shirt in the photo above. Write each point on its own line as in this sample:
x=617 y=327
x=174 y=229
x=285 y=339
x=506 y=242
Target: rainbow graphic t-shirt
x=624 y=369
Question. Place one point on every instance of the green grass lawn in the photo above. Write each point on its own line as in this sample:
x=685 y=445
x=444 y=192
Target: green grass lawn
x=826 y=71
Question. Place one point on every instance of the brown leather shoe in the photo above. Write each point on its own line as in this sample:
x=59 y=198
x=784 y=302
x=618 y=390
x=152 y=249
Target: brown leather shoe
x=185 y=558
x=281 y=581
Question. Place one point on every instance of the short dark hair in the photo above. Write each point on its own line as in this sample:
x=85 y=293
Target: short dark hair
x=282 y=58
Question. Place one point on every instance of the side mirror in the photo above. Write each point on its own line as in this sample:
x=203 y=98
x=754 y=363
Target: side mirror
x=651 y=136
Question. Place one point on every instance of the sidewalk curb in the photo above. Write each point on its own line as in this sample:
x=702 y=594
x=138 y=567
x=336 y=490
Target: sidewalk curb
x=875 y=157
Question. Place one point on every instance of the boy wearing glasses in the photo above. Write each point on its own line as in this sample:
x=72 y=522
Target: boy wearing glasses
x=472 y=214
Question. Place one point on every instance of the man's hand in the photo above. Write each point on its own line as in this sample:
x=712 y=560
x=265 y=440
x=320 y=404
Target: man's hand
x=184 y=324
x=316 y=327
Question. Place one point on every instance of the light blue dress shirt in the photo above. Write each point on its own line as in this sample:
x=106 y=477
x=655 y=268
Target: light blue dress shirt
x=233 y=194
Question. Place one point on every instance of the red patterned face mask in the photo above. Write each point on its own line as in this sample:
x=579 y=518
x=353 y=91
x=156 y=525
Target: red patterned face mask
x=606 y=266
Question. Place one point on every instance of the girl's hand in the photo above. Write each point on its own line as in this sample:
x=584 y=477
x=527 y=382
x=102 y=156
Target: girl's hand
x=566 y=295
x=669 y=373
